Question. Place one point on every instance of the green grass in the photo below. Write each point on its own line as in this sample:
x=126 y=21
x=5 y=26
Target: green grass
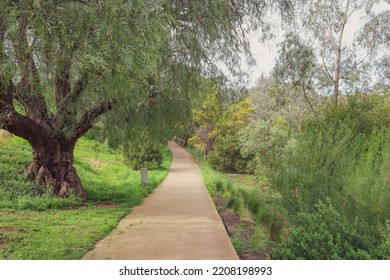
x=107 y=178
x=250 y=198
x=35 y=225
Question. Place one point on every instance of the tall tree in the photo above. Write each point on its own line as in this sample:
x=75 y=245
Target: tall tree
x=328 y=23
x=64 y=63
x=296 y=65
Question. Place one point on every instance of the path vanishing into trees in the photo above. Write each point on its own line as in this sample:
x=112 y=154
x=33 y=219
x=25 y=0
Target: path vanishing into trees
x=177 y=221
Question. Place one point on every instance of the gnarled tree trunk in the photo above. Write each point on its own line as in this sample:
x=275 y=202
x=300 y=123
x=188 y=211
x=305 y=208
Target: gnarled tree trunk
x=52 y=166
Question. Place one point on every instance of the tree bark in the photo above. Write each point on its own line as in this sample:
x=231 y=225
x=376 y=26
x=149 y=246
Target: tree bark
x=336 y=80
x=52 y=166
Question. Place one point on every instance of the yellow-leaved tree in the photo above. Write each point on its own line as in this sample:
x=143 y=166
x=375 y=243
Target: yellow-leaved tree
x=206 y=118
x=217 y=125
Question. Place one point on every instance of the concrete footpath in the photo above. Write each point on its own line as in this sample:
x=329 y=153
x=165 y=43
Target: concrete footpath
x=178 y=221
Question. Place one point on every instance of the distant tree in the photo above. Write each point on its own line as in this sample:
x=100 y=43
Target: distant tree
x=65 y=63
x=326 y=25
x=296 y=66
x=225 y=155
x=214 y=119
x=205 y=119
x=272 y=98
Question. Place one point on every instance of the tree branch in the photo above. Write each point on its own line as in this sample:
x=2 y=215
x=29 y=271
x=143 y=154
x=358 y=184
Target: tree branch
x=14 y=122
x=86 y=121
x=326 y=69
x=20 y=125
x=345 y=75
x=307 y=98
x=29 y=95
x=79 y=87
x=62 y=82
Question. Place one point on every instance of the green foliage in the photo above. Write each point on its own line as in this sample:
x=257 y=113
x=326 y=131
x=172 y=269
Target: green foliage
x=383 y=251
x=267 y=210
x=324 y=235
x=263 y=141
x=343 y=155
x=206 y=118
x=240 y=245
x=366 y=180
x=144 y=152
x=318 y=162
x=263 y=204
x=226 y=155
x=296 y=62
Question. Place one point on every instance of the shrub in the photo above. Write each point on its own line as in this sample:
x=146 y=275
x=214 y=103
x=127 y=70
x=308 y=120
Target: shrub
x=234 y=200
x=330 y=157
x=343 y=154
x=325 y=235
x=144 y=153
x=383 y=251
x=219 y=184
x=226 y=155
x=262 y=142
x=267 y=210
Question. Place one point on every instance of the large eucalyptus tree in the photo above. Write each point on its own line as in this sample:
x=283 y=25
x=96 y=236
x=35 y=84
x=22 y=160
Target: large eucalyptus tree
x=296 y=65
x=64 y=63
x=346 y=34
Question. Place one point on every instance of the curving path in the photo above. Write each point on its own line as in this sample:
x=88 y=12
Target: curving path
x=177 y=221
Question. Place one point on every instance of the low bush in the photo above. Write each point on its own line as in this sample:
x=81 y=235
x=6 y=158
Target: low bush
x=226 y=155
x=326 y=235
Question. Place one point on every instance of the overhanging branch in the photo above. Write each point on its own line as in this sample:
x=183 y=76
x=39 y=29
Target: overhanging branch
x=29 y=94
x=86 y=121
x=20 y=125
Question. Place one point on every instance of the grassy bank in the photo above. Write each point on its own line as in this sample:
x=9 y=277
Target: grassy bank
x=262 y=219
x=34 y=225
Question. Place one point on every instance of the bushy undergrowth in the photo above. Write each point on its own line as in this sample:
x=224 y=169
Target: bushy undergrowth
x=333 y=175
x=326 y=234
x=343 y=156
x=226 y=156
x=262 y=142
x=144 y=153
x=263 y=204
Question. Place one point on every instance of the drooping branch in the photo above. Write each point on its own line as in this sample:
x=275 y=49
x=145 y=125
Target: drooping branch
x=86 y=121
x=29 y=93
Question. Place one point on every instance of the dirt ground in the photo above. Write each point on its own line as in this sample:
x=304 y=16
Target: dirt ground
x=232 y=222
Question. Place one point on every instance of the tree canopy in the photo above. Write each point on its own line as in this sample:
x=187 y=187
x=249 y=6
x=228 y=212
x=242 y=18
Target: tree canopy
x=63 y=64
x=346 y=37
